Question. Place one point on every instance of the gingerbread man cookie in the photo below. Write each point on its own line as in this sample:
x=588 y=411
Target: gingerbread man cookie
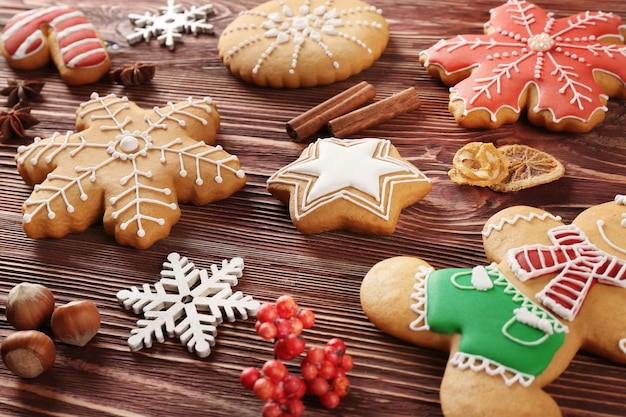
x=561 y=72
x=512 y=326
x=30 y=39
x=359 y=185
x=131 y=166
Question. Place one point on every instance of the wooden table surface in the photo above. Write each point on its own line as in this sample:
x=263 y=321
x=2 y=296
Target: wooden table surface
x=323 y=272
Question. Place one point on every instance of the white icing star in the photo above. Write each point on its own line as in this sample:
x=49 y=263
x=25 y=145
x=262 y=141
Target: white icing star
x=339 y=165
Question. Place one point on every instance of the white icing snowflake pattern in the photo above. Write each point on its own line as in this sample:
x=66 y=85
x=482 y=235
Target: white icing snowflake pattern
x=293 y=27
x=169 y=26
x=526 y=47
x=188 y=303
x=137 y=169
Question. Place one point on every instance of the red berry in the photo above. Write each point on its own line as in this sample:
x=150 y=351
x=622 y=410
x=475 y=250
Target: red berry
x=337 y=345
x=308 y=370
x=286 y=306
x=330 y=399
x=294 y=387
x=266 y=313
x=279 y=395
x=289 y=347
x=327 y=370
x=263 y=388
x=341 y=386
x=283 y=327
x=347 y=362
x=295 y=407
x=331 y=355
x=249 y=376
x=267 y=330
x=272 y=409
x=317 y=386
x=275 y=370
x=307 y=317
x=296 y=325
x=315 y=355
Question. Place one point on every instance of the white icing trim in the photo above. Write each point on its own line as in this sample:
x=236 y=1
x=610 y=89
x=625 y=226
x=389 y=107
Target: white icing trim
x=528 y=218
x=420 y=296
x=480 y=279
x=600 y=224
x=477 y=363
x=622 y=345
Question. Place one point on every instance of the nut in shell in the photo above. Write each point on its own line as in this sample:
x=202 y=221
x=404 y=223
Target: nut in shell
x=76 y=322
x=29 y=306
x=28 y=353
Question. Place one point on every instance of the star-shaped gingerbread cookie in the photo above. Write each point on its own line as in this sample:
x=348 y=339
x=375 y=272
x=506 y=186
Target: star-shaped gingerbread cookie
x=129 y=166
x=360 y=185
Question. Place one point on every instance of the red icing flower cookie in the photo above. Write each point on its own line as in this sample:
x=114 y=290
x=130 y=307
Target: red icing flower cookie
x=560 y=71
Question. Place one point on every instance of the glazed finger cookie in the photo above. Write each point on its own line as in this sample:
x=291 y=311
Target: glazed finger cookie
x=30 y=39
x=359 y=185
x=560 y=72
x=129 y=166
x=303 y=43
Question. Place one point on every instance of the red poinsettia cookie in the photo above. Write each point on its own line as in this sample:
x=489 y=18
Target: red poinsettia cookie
x=561 y=72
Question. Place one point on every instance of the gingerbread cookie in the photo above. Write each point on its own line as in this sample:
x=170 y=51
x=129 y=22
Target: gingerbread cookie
x=359 y=185
x=303 y=43
x=128 y=166
x=512 y=326
x=30 y=39
x=559 y=71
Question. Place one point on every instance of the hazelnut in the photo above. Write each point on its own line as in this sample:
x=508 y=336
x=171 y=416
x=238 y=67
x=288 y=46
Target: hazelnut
x=29 y=306
x=76 y=322
x=28 y=353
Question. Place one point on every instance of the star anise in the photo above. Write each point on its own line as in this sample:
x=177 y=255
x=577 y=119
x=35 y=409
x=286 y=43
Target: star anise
x=21 y=91
x=136 y=74
x=15 y=121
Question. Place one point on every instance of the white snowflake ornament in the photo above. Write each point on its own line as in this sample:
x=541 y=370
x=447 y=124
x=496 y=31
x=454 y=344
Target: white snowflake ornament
x=189 y=303
x=169 y=26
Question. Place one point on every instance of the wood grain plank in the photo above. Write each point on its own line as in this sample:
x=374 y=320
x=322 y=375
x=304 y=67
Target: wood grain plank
x=323 y=271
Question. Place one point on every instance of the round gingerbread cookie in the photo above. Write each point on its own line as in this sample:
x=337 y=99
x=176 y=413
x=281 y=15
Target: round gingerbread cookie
x=303 y=43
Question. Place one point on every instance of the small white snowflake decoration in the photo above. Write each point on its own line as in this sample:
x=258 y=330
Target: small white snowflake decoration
x=189 y=303
x=169 y=26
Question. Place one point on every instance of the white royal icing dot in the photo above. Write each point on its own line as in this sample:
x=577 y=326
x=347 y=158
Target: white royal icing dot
x=541 y=42
x=129 y=144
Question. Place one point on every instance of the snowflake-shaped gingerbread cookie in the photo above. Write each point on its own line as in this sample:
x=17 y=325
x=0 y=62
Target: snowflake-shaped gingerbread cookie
x=169 y=26
x=188 y=303
x=360 y=185
x=130 y=165
x=303 y=43
x=560 y=71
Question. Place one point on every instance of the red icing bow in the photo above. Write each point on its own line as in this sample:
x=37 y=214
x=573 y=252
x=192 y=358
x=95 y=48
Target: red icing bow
x=578 y=262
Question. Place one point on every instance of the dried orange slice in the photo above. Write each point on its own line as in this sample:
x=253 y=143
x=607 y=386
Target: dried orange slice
x=528 y=167
x=480 y=164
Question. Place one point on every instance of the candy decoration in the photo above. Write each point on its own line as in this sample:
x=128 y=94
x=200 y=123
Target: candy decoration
x=72 y=42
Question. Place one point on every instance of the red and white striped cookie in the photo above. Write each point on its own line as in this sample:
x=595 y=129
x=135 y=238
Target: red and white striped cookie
x=76 y=47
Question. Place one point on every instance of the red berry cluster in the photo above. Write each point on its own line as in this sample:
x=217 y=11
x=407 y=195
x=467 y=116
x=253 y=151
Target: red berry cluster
x=323 y=370
x=281 y=391
x=283 y=322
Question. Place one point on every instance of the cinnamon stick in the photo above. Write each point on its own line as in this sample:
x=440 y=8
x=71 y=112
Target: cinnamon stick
x=375 y=113
x=309 y=122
